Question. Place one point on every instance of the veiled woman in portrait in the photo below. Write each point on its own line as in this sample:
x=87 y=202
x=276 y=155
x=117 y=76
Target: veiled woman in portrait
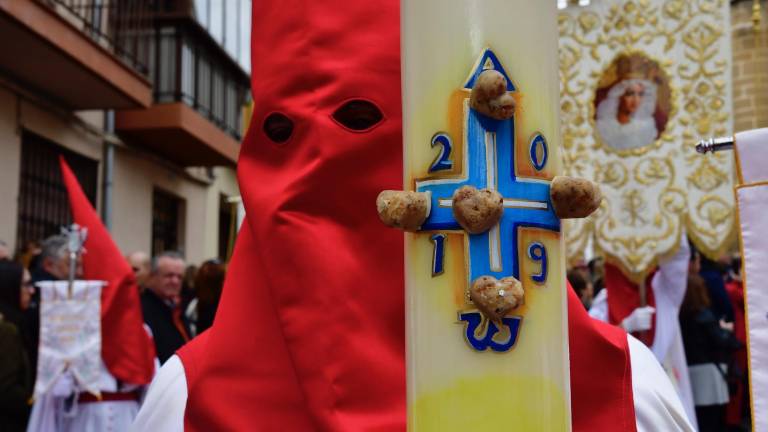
x=628 y=115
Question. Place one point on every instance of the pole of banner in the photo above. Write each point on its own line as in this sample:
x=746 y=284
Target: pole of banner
x=713 y=145
x=463 y=371
x=643 y=292
x=76 y=236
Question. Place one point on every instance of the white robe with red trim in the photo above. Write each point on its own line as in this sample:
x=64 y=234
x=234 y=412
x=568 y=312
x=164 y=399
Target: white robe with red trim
x=52 y=413
x=668 y=284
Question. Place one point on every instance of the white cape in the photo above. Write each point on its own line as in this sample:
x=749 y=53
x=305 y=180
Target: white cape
x=657 y=407
x=752 y=199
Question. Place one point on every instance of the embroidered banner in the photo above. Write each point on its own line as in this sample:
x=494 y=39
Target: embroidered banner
x=70 y=335
x=641 y=82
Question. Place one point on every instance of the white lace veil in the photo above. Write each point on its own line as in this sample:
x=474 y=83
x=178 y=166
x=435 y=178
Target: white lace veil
x=609 y=106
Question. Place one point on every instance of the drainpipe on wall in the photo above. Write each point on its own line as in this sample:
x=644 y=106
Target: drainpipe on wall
x=109 y=167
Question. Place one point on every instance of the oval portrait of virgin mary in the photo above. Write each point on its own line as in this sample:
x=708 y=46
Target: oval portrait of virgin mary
x=632 y=103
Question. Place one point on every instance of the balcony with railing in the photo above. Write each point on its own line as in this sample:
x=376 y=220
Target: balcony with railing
x=175 y=87
x=187 y=67
x=97 y=50
x=199 y=93
x=123 y=27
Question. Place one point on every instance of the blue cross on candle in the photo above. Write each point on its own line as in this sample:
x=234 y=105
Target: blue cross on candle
x=489 y=162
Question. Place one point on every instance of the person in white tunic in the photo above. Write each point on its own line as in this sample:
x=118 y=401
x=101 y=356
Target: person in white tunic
x=668 y=285
x=67 y=407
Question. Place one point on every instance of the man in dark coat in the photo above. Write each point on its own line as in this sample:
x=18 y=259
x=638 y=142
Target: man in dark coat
x=160 y=303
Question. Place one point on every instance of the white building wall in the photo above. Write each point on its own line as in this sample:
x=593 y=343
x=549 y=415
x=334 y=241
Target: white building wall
x=136 y=174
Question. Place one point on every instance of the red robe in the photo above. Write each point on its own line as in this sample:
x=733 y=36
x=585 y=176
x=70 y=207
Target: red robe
x=624 y=298
x=126 y=348
x=310 y=334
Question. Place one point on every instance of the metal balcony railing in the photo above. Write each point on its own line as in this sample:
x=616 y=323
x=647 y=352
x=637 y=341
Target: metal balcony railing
x=189 y=67
x=160 y=40
x=124 y=27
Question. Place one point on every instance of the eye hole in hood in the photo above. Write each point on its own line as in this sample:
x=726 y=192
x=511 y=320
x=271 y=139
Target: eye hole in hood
x=278 y=127
x=358 y=115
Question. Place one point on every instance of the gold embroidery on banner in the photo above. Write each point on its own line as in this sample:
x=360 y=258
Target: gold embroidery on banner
x=651 y=192
x=708 y=176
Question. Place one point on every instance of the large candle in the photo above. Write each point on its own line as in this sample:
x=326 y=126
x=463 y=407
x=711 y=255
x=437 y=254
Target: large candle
x=465 y=373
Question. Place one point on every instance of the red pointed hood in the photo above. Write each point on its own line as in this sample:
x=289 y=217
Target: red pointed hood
x=309 y=334
x=126 y=348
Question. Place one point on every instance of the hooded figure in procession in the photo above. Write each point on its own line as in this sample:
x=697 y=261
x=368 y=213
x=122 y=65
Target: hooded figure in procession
x=310 y=330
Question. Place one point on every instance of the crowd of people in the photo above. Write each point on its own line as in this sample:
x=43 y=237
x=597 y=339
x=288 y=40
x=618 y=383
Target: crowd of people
x=178 y=302
x=713 y=330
